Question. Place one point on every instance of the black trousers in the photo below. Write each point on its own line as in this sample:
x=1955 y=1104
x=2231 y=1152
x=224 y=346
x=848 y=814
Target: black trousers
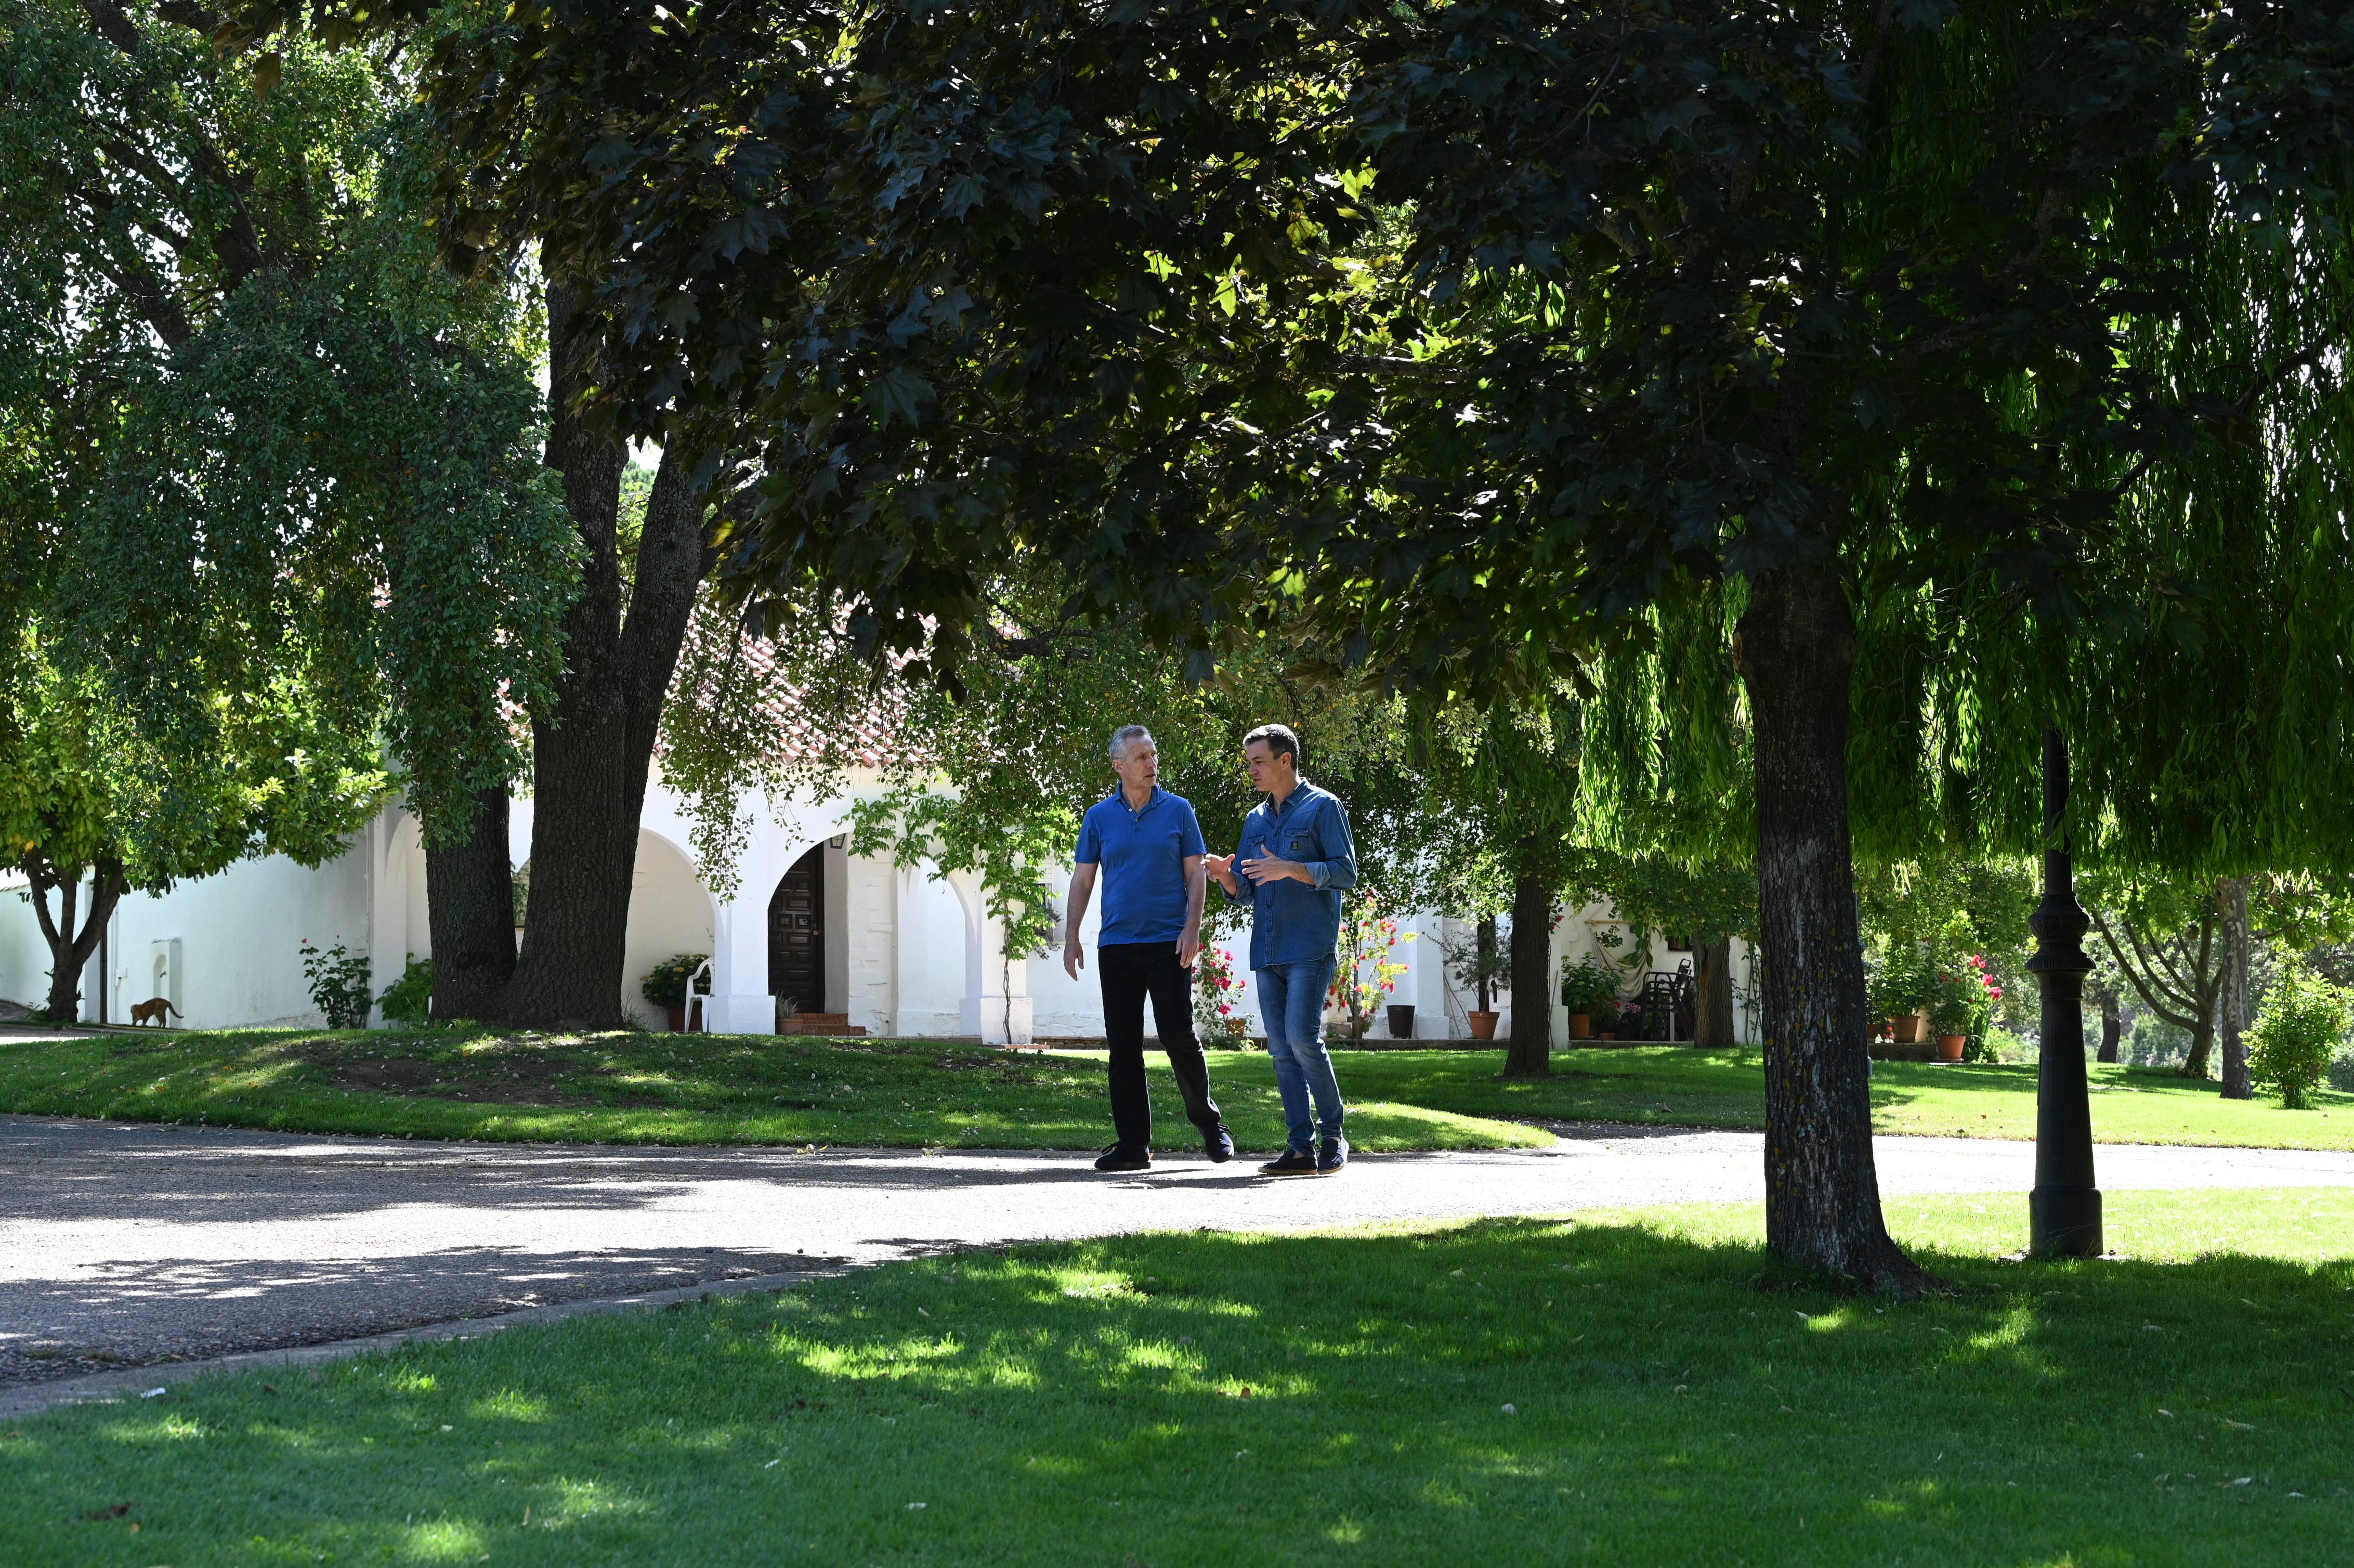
x=1128 y=972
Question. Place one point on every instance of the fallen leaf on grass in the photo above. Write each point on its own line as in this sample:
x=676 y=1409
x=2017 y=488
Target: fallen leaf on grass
x=117 y=1511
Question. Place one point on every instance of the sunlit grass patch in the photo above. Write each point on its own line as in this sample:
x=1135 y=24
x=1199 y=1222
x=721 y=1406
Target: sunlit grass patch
x=1677 y=1085
x=1631 y=1387
x=628 y=1086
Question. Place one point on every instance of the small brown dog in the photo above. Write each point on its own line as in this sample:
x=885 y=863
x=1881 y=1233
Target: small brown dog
x=155 y=1007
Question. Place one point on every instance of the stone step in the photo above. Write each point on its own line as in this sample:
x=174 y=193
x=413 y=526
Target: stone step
x=836 y=1023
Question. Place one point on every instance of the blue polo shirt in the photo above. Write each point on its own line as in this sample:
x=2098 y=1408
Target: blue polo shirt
x=1297 y=922
x=1142 y=855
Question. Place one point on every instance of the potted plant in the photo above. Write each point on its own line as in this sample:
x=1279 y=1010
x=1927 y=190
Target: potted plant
x=1588 y=987
x=1482 y=965
x=1903 y=990
x=1961 y=1000
x=666 y=987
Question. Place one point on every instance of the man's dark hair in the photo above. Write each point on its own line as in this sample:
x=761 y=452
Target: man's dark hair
x=1281 y=741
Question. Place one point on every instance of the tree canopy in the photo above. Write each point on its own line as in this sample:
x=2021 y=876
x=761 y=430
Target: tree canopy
x=283 y=535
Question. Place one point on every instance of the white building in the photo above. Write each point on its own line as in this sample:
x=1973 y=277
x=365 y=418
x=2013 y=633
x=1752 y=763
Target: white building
x=901 y=951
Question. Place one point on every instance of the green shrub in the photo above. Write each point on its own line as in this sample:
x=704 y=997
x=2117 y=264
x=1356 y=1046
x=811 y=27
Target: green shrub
x=2297 y=1034
x=409 y=999
x=339 y=984
x=1905 y=982
x=1589 y=985
x=666 y=985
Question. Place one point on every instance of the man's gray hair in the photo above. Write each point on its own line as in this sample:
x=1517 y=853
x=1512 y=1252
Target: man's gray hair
x=1126 y=736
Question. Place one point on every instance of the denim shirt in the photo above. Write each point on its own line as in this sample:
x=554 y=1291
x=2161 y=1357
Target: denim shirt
x=1293 y=922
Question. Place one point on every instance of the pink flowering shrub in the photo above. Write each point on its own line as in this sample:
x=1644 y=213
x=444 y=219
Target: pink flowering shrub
x=1367 y=973
x=1218 y=996
x=1965 y=997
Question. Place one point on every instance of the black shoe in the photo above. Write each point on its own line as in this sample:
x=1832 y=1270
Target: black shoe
x=1333 y=1155
x=1217 y=1143
x=1125 y=1157
x=1290 y=1162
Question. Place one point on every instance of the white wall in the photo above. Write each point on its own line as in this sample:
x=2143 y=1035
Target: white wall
x=24 y=955
x=239 y=934
x=670 y=913
x=867 y=937
x=932 y=952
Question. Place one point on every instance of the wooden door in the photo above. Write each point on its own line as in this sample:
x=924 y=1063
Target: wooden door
x=797 y=936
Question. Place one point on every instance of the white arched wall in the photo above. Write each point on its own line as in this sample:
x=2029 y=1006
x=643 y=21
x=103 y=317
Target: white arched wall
x=670 y=912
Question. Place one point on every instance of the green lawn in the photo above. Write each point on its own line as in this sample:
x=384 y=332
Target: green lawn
x=1629 y=1388
x=701 y=1088
x=653 y=1088
x=1677 y=1084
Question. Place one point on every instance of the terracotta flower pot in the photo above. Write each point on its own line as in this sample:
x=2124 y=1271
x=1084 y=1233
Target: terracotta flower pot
x=1581 y=1026
x=1905 y=1026
x=1484 y=1024
x=1949 y=1046
x=1401 y=1020
x=677 y=1017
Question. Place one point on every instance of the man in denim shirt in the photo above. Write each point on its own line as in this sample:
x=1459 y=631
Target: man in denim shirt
x=1296 y=859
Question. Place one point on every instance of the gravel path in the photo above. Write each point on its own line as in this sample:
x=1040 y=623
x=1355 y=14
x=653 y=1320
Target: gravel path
x=124 y=1244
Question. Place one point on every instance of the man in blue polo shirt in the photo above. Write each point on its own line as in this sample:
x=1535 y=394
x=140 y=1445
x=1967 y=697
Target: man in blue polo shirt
x=1295 y=860
x=1149 y=847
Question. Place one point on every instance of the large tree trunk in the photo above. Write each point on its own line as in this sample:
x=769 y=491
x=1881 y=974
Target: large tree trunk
x=2232 y=894
x=469 y=911
x=71 y=945
x=1712 y=994
x=2111 y=1027
x=1822 y=1191
x=592 y=751
x=1530 y=1053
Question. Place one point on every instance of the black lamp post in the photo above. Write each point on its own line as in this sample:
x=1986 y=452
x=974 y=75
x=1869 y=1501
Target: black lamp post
x=2064 y=1210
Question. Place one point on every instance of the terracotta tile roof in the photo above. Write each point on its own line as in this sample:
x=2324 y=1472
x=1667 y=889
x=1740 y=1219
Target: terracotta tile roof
x=869 y=739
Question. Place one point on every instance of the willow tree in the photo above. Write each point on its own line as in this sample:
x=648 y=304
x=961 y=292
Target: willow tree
x=2200 y=660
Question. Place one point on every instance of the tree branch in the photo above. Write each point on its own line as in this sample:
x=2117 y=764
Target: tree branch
x=2142 y=987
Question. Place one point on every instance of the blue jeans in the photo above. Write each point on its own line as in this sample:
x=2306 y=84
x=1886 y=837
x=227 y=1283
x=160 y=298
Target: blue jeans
x=1291 y=1003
